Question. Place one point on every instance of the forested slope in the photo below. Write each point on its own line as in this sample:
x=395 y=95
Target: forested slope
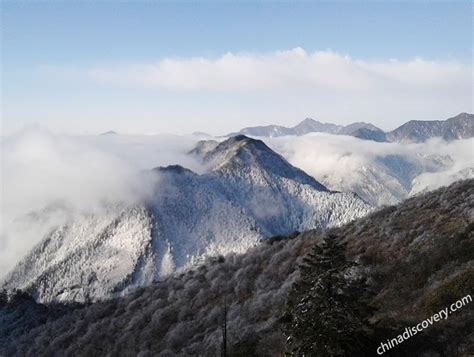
x=408 y=261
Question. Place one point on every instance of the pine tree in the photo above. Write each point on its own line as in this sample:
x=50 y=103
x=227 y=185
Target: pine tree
x=327 y=308
x=3 y=298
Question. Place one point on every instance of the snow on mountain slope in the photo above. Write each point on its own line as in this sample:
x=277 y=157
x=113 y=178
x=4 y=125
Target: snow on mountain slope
x=432 y=180
x=248 y=193
x=351 y=128
x=380 y=173
x=369 y=134
x=91 y=256
x=414 y=131
x=306 y=126
x=267 y=130
x=277 y=193
x=310 y=126
x=376 y=181
x=458 y=127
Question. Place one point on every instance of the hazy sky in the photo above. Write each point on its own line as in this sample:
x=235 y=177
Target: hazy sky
x=148 y=67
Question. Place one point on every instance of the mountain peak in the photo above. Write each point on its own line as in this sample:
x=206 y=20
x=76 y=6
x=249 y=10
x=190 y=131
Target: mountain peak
x=241 y=156
x=463 y=116
x=249 y=193
x=176 y=169
x=240 y=137
x=233 y=147
x=308 y=121
x=310 y=125
x=239 y=141
x=110 y=132
x=459 y=127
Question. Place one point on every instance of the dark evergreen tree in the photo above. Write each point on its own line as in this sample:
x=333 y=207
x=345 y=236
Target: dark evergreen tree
x=3 y=298
x=328 y=306
x=246 y=346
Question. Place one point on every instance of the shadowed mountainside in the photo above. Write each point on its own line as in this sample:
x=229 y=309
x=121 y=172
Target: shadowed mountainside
x=416 y=258
x=414 y=131
x=459 y=127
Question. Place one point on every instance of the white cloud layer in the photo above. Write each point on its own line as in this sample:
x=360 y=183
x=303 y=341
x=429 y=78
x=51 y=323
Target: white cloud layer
x=290 y=70
x=381 y=173
x=49 y=179
x=62 y=176
x=223 y=94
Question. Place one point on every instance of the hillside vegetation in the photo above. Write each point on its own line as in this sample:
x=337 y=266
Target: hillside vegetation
x=405 y=262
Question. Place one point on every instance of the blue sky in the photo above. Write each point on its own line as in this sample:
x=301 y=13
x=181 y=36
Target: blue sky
x=52 y=52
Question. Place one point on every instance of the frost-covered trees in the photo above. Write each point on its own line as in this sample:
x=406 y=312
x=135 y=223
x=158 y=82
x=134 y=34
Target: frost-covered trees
x=327 y=307
x=417 y=257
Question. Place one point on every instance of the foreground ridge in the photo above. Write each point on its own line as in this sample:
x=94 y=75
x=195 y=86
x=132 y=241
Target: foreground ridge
x=415 y=258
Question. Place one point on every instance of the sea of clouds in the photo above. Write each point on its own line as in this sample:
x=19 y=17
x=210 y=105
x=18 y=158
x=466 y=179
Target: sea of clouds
x=346 y=163
x=49 y=178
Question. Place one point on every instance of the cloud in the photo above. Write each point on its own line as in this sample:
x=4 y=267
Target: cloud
x=290 y=70
x=225 y=93
x=48 y=179
x=381 y=173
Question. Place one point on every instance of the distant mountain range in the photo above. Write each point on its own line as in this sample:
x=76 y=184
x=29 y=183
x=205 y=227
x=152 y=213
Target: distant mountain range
x=249 y=193
x=309 y=126
x=458 y=127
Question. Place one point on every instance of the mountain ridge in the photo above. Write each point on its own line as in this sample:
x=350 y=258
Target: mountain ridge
x=414 y=257
x=249 y=193
x=460 y=126
x=306 y=126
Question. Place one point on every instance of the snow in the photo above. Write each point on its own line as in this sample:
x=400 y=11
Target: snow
x=248 y=193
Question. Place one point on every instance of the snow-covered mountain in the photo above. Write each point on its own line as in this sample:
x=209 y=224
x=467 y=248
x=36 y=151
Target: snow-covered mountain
x=431 y=180
x=369 y=134
x=305 y=127
x=458 y=127
x=414 y=131
x=410 y=257
x=355 y=127
x=248 y=193
x=380 y=173
x=386 y=179
x=264 y=131
x=312 y=126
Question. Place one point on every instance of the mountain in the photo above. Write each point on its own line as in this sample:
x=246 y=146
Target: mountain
x=414 y=131
x=248 y=193
x=264 y=131
x=410 y=260
x=379 y=173
x=369 y=134
x=312 y=126
x=305 y=127
x=458 y=127
x=354 y=127
x=386 y=179
x=379 y=180
x=431 y=180
x=202 y=135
